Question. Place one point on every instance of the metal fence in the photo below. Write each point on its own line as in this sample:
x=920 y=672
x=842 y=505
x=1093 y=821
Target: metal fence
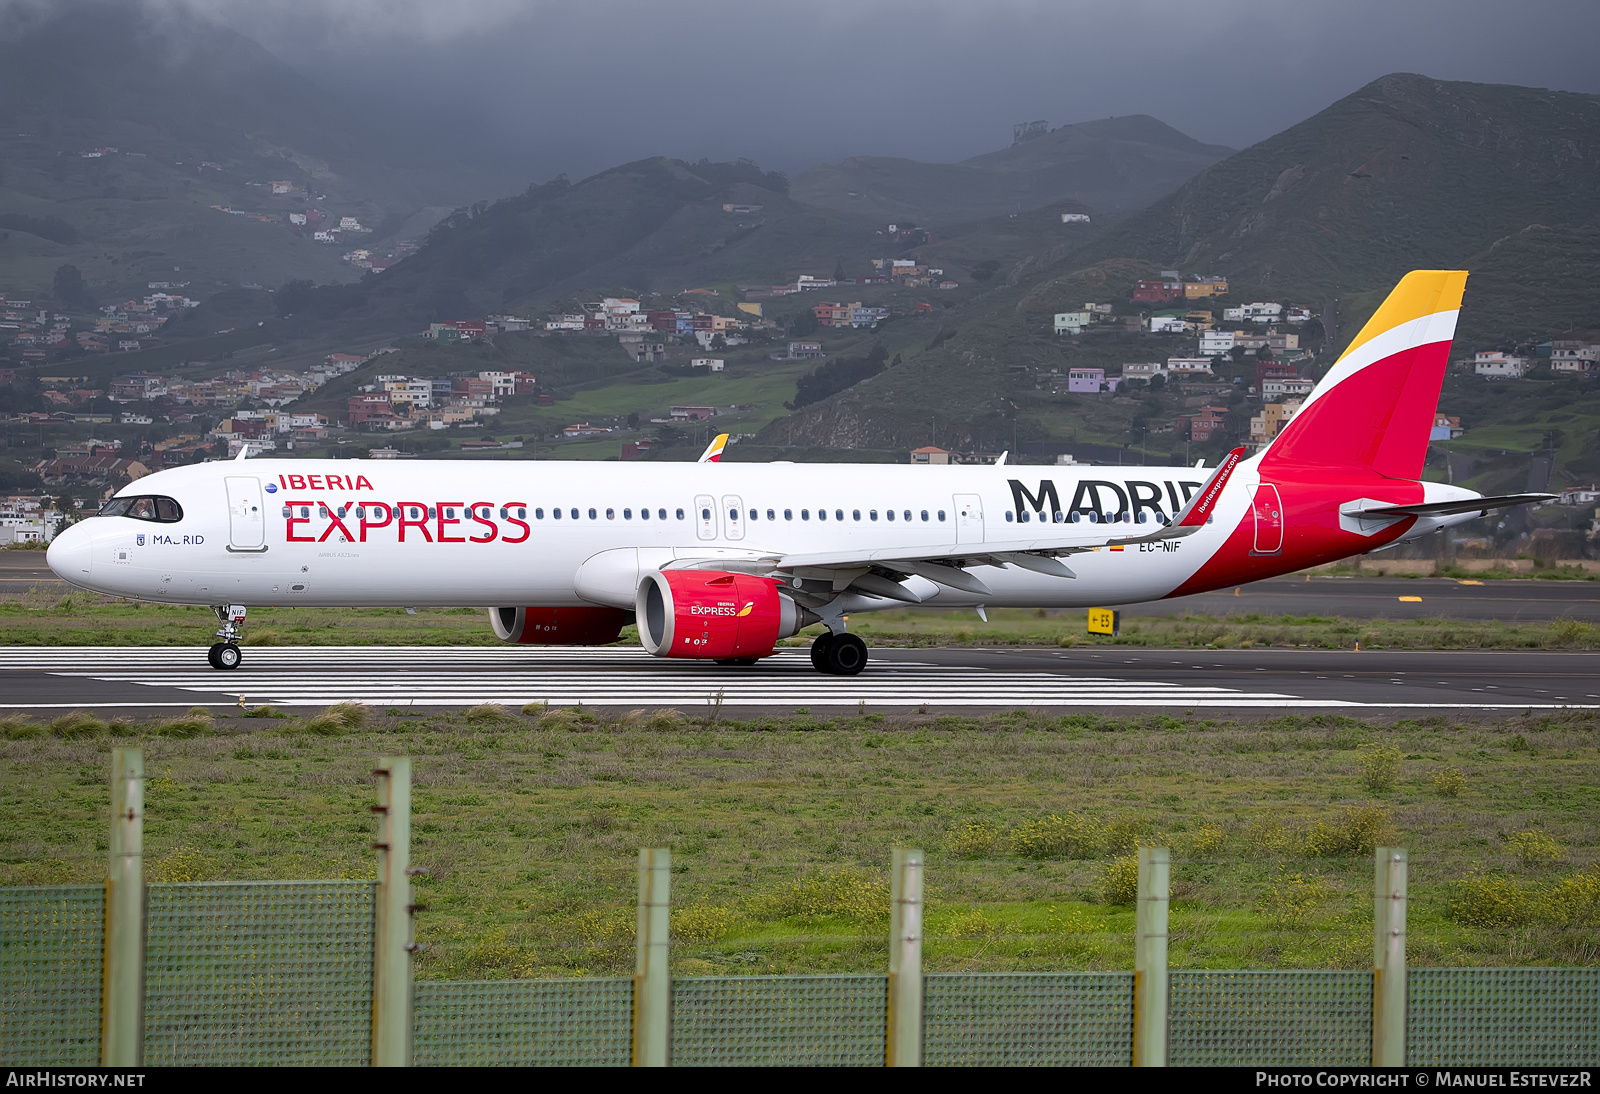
x=281 y=972
x=319 y=972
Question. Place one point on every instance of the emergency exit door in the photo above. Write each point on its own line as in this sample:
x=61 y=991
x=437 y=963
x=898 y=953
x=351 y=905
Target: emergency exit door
x=1269 y=520
x=969 y=518
x=705 y=516
x=247 y=522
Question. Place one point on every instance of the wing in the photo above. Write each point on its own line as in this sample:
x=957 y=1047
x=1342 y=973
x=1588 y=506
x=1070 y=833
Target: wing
x=1448 y=508
x=880 y=572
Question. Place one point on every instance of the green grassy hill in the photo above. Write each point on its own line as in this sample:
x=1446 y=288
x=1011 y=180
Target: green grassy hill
x=197 y=114
x=1115 y=165
x=1408 y=172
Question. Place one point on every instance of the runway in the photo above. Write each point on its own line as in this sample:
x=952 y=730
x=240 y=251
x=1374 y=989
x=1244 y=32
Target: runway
x=158 y=679
x=1514 y=601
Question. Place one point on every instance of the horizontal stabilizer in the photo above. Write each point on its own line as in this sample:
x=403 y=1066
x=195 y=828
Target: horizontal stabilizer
x=1448 y=508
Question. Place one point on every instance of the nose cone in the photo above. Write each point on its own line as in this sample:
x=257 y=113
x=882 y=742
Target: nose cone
x=71 y=553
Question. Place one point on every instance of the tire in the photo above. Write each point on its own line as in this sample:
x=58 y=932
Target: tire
x=211 y=655
x=819 y=652
x=847 y=655
x=228 y=655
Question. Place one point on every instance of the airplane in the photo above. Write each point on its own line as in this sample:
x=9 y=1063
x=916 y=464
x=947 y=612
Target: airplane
x=720 y=561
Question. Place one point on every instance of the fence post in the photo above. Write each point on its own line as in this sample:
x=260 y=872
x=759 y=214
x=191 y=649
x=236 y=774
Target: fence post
x=1150 y=959
x=392 y=946
x=652 y=976
x=122 y=969
x=1389 y=958
x=903 y=1044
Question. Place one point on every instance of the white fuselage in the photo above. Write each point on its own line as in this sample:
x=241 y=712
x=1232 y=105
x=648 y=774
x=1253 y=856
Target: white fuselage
x=368 y=533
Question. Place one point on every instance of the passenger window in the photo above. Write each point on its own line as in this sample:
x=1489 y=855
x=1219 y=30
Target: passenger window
x=889 y=513
x=592 y=515
x=822 y=514
x=733 y=515
x=503 y=512
x=908 y=515
x=521 y=511
x=838 y=514
x=705 y=514
x=661 y=514
x=611 y=514
x=680 y=514
x=573 y=513
x=644 y=514
x=627 y=514
x=556 y=513
x=433 y=511
x=805 y=514
x=855 y=514
x=924 y=514
x=941 y=514
x=754 y=514
x=286 y=511
x=788 y=514
x=538 y=514
x=1008 y=516
x=771 y=515
x=873 y=514
x=305 y=511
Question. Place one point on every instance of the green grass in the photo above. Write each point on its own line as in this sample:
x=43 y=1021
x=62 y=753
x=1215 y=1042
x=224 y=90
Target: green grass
x=781 y=830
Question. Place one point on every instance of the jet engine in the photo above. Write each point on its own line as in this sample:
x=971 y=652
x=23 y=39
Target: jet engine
x=715 y=615
x=558 y=626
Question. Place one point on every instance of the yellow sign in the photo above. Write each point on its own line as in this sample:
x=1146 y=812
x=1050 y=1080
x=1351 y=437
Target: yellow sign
x=1104 y=621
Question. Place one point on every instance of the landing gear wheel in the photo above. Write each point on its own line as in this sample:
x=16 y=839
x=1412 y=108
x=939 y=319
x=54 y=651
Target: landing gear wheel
x=737 y=660
x=211 y=655
x=225 y=655
x=847 y=655
x=819 y=652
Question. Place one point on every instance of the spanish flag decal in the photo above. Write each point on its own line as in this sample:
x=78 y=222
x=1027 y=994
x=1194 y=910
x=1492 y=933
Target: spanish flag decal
x=1118 y=547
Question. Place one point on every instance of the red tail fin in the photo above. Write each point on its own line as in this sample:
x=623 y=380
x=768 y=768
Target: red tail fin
x=1375 y=407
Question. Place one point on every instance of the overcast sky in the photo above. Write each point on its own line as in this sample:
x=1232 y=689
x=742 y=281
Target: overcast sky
x=577 y=85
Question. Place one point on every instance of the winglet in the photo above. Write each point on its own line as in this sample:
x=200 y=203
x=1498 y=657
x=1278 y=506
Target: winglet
x=713 y=452
x=1199 y=509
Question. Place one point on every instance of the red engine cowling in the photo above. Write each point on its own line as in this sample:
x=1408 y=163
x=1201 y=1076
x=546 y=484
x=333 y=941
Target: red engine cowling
x=558 y=626
x=713 y=614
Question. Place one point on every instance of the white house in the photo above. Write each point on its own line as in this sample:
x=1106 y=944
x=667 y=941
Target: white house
x=713 y=364
x=350 y=224
x=1074 y=218
x=1216 y=343
x=1263 y=312
x=1168 y=323
x=1143 y=370
x=1573 y=357
x=1499 y=366
x=1072 y=322
x=1186 y=367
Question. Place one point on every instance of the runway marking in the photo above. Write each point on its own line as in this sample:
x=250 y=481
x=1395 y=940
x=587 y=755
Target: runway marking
x=423 y=676
x=1409 y=599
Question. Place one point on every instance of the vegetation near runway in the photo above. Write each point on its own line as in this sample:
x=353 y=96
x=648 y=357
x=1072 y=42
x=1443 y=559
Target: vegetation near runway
x=781 y=829
x=46 y=617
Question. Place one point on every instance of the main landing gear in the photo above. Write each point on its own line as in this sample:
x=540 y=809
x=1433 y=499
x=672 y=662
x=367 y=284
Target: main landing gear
x=226 y=654
x=840 y=654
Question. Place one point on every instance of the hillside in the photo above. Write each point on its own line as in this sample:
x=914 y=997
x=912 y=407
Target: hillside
x=1112 y=166
x=1408 y=172
x=125 y=128
x=653 y=225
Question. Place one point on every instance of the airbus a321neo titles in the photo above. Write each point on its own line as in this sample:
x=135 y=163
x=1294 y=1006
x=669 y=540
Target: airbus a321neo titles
x=720 y=561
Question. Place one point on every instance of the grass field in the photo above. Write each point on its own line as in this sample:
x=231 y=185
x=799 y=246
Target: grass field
x=781 y=831
x=47 y=617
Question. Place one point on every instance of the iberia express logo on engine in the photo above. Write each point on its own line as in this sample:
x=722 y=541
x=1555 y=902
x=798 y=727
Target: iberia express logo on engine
x=724 y=609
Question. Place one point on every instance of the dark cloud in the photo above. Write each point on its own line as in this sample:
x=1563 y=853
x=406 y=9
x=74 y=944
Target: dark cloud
x=577 y=85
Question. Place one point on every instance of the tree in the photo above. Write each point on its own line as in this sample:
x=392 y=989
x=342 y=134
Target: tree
x=293 y=296
x=633 y=419
x=70 y=289
x=984 y=270
x=803 y=324
x=838 y=269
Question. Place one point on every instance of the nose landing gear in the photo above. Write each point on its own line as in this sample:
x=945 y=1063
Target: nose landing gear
x=840 y=654
x=226 y=654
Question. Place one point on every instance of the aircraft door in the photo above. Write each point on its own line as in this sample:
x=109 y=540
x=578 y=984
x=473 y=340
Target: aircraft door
x=247 y=519
x=969 y=518
x=733 y=512
x=1269 y=520
x=705 y=515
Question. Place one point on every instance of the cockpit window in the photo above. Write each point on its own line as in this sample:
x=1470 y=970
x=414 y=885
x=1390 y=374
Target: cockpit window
x=158 y=509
